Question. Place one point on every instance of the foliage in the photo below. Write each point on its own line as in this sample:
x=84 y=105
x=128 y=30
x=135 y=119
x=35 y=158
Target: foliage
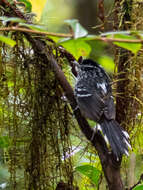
x=91 y=172
x=81 y=37
x=77 y=46
x=7 y=40
x=33 y=115
x=28 y=5
x=134 y=47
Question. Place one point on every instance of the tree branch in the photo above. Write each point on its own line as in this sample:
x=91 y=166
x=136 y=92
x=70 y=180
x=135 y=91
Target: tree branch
x=110 y=165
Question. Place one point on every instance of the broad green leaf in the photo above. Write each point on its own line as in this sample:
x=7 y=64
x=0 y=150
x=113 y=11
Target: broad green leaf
x=77 y=47
x=134 y=47
x=28 y=5
x=78 y=30
x=139 y=187
x=91 y=172
x=7 y=40
x=12 y=19
x=97 y=48
x=107 y=62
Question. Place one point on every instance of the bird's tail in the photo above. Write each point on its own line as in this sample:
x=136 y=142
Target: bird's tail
x=117 y=137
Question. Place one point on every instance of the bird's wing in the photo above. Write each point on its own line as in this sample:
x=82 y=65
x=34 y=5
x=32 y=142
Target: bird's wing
x=104 y=91
x=92 y=106
x=109 y=109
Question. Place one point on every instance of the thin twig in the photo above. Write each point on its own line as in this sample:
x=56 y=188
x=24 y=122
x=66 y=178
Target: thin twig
x=106 y=39
x=21 y=29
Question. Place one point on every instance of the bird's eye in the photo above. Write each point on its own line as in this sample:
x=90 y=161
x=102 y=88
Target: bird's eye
x=77 y=68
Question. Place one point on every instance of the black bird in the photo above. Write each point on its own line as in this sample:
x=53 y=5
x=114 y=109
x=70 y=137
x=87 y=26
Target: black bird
x=93 y=93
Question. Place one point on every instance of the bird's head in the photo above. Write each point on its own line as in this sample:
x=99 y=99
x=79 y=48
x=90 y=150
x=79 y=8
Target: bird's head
x=85 y=64
x=89 y=63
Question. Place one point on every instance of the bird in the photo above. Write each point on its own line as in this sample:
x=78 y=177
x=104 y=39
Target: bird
x=93 y=93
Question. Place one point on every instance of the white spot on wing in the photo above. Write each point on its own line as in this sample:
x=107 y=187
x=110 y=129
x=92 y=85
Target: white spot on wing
x=88 y=66
x=81 y=89
x=117 y=159
x=83 y=95
x=103 y=86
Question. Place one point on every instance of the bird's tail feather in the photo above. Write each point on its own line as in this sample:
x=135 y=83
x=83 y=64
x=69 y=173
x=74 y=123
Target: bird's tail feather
x=117 y=137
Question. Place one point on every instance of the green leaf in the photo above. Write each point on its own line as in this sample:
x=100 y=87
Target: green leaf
x=28 y=5
x=133 y=47
x=78 y=30
x=107 y=62
x=139 y=187
x=12 y=19
x=7 y=40
x=34 y=27
x=97 y=48
x=77 y=47
x=91 y=172
x=55 y=38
